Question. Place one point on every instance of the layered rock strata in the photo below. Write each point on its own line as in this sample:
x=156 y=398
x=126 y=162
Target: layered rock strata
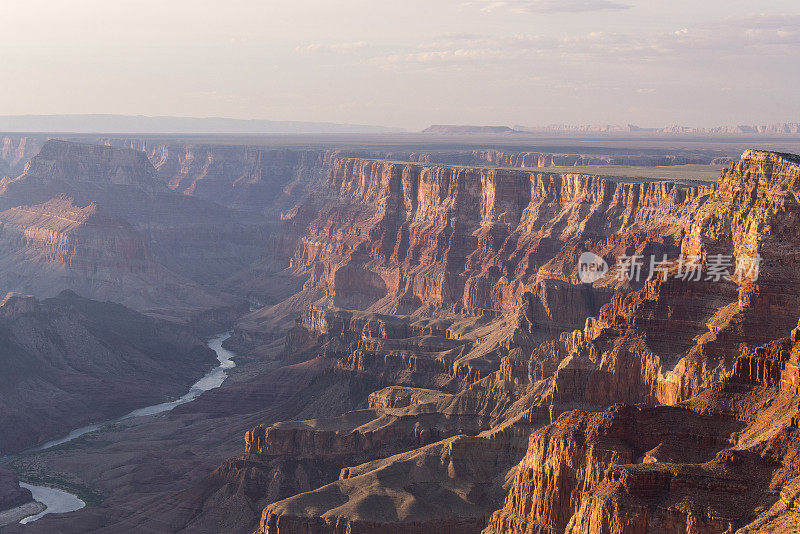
x=396 y=237
x=713 y=464
x=122 y=235
x=58 y=245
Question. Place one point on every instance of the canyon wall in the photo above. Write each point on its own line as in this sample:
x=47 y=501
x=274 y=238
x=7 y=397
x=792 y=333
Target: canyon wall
x=16 y=151
x=726 y=341
x=670 y=339
x=725 y=460
x=57 y=245
x=476 y=239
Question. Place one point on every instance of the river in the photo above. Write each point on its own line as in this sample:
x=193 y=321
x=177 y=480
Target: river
x=60 y=502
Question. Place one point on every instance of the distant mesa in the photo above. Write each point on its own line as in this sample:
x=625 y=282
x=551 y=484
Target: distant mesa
x=452 y=129
x=98 y=220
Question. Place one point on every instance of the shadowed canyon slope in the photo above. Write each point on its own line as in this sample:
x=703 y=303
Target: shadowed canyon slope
x=69 y=361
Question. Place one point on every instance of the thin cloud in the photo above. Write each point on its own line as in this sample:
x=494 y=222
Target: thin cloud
x=711 y=42
x=439 y=56
x=335 y=48
x=554 y=6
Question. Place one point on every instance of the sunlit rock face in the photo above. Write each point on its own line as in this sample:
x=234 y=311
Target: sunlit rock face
x=466 y=239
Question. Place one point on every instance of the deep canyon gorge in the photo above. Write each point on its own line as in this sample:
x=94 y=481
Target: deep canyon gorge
x=416 y=351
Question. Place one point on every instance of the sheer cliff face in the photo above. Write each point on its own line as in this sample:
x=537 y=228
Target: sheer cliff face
x=700 y=328
x=671 y=339
x=725 y=460
x=472 y=239
x=639 y=470
x=755 y=213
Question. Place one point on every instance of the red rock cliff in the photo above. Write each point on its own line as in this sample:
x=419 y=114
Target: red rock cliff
x=471 y=239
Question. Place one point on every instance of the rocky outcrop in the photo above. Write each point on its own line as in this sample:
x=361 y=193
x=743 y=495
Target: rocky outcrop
x=567 y=461
x=707 y=465
x=672 y=338
x=752 y=215
x=16 y=151
x=11 y=494
x=444 y=487
x=58 y=245
x=361 y=433
x=403 y=397
x=394 y=349
x=192 y=237
x=239 y=176
x=70 y=361
x=293 y=457
x=725 y=341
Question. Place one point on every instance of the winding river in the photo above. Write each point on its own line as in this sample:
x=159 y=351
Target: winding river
x=60 y=502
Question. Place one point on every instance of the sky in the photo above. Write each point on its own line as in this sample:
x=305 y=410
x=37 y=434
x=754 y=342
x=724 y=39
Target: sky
x=407 y=63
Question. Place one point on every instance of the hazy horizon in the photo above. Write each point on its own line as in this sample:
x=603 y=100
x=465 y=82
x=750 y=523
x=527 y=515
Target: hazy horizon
x=482 y=62
x=103 y=123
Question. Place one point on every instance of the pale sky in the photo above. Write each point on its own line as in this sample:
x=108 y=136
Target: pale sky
x=407 y=63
